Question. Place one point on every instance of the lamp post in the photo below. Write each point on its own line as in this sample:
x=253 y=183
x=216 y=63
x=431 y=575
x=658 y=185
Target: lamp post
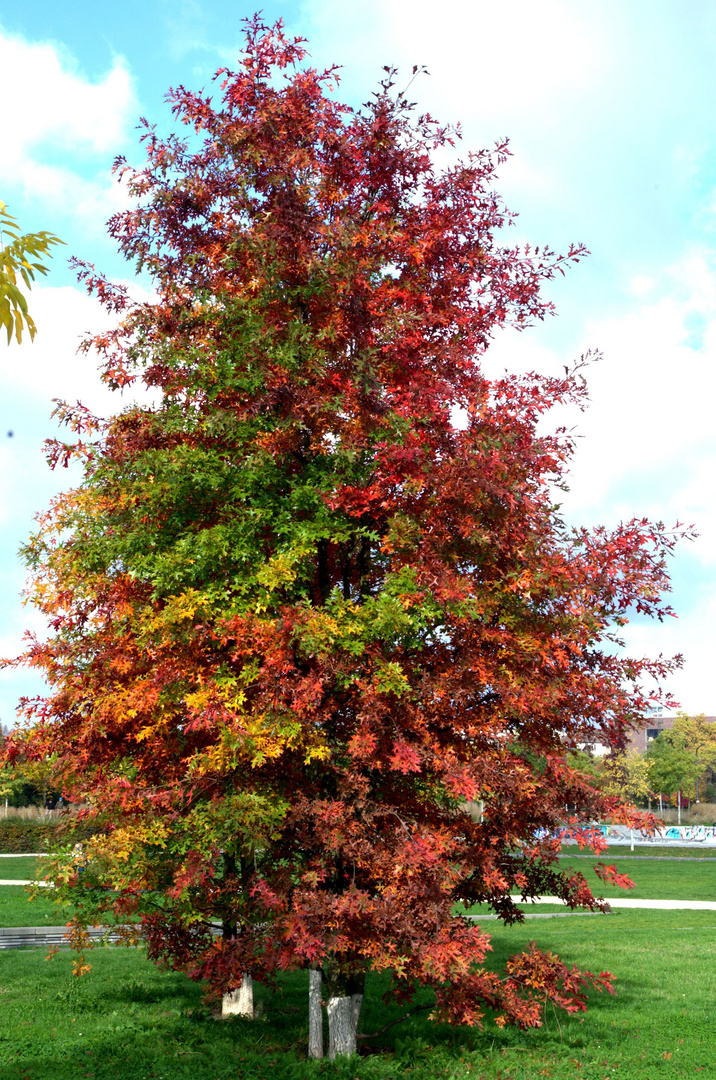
x=699 y=747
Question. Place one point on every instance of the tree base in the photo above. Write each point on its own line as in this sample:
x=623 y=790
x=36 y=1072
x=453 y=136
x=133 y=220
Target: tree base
x=343 y=1014
x=239 y=1002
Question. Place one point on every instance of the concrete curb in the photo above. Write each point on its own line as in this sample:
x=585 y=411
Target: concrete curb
x=29 y=937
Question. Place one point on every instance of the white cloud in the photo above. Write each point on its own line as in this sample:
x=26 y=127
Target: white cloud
x=50 y=366
x=505 y=54
x=651 y=411
x=652 y=395
x=31 y=375
x=647 y=446
x=641 y=285
x=526 y=70
x=57 y=104
x=690 y=635
x=58 y=112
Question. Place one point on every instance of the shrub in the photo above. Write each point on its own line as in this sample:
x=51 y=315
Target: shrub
x=20 y=835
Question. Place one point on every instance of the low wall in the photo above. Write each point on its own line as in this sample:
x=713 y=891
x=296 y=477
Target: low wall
x=676 y=835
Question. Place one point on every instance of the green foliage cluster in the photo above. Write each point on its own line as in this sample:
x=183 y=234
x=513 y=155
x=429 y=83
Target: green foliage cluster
x=19 y=792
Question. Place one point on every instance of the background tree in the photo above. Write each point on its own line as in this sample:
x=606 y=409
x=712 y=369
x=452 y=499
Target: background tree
x=627 y=775
x=320 y=597
x=11 y=779
x=671 y=765
x=26 y=782
x=679 y=753
x=20 y=259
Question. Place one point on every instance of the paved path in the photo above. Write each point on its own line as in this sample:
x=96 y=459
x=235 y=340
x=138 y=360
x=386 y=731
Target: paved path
x=624 y=902
x=25 y=881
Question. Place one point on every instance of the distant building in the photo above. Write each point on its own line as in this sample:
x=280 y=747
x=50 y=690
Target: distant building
x=596 y=749
x=654 y=723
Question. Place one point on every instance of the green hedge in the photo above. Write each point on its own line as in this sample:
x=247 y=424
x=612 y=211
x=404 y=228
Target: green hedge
x=19 y=835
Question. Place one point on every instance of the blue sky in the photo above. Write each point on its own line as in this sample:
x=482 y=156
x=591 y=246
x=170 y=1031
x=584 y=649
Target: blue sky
x=610 y=111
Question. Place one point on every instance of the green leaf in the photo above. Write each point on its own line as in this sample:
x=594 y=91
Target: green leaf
x=13 y=262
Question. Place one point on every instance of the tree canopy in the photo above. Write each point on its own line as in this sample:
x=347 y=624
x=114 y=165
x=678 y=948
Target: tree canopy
x=319 y=597
x=627 y=775
x=679 y=754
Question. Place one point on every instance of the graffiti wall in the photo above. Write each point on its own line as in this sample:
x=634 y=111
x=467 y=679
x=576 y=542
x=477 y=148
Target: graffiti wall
x=684 y=835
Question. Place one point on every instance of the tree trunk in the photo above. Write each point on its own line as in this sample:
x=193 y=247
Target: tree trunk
x=324 y=580
x=345 y=997
x=343 y=1014
x=315 y=1014
x=239 y=1002
x=356 y=1002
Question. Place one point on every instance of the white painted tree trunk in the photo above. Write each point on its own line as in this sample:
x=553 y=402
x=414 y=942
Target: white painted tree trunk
x=343 y=1016
x=356 y=1002
x=315 y=1014
x=239 y=1002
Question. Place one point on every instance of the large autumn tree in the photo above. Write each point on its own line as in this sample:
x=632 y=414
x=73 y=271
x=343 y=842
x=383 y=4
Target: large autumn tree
x=316 y=601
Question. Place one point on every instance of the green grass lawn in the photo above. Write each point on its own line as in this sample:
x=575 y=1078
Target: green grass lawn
x=17 y=909
x=616 y=851
x=24 y=866
x=127 y=1020
x=654 y=880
